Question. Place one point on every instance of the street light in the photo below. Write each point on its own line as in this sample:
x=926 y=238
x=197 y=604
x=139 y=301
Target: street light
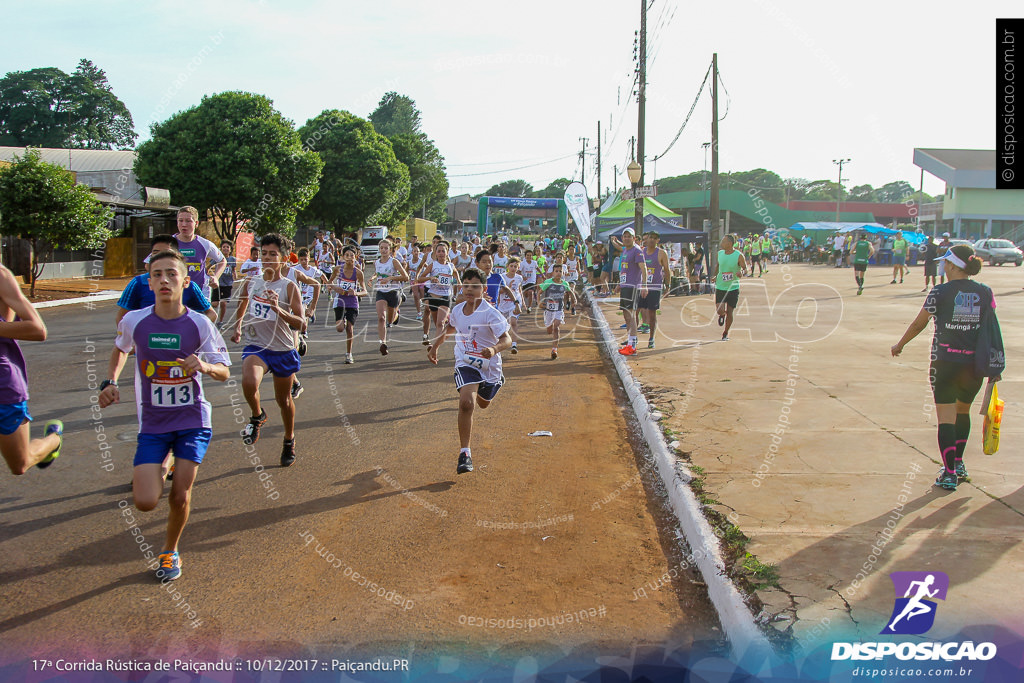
x=633 y=171
x=839 y=190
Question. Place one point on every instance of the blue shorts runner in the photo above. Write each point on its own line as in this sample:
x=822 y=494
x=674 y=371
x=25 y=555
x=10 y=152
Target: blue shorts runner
x=187 y=444
x=12 y=416
x=900 y=259
x=280 y=363
x=486 y=390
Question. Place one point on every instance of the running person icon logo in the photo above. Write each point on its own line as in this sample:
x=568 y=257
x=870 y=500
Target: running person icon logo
x=914 y=613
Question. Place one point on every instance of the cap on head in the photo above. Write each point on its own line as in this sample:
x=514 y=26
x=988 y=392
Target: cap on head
x=629 y=231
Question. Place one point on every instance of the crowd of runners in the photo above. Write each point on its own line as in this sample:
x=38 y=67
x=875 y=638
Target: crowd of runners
x=173 y=316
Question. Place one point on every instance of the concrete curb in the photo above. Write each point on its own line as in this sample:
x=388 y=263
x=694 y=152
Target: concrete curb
x=101 y=296
x=737 y=620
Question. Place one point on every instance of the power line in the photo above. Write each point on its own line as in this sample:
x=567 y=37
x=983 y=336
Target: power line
x=517 y=168
x=728 y=100
x=688 y=115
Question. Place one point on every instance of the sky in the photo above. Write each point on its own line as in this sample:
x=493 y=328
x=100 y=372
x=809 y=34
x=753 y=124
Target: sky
x=507 y=90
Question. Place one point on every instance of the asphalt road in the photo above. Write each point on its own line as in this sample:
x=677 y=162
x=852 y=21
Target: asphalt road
x=370 y=542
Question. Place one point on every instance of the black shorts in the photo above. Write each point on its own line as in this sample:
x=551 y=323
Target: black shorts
x=930 y=268
x=390 y=297
x=952 y=382
x=754 y=258
x=527 y=286
x=860 y=267
x=219 y=293
x=651 y=302
x=436 y=302
x=349 y=314
x=730 y=297
x=595 y=272
x=627 y=297
x=486 y=390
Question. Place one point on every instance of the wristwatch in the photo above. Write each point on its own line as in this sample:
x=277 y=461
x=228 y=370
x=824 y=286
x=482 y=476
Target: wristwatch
x=107 y=383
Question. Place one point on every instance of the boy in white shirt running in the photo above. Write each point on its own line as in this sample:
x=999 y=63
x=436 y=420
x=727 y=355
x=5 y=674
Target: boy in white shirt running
x=481 y=334
x=552 y=299
x=510 y=298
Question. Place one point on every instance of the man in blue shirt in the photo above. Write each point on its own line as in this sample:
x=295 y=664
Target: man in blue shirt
x=138 y=294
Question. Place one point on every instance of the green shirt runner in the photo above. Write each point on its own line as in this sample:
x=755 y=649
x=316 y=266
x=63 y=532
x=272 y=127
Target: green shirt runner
x=863 y=252
x=728 y=277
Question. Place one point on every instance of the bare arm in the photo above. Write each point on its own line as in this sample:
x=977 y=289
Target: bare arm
x=111 y=394
x=916 y=327
x=31 y=326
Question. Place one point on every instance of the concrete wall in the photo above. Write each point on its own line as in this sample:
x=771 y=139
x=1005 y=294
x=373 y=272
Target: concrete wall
x=53 y=271
x=977 y=203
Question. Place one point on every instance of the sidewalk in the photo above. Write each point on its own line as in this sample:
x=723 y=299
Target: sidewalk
x=823 y=452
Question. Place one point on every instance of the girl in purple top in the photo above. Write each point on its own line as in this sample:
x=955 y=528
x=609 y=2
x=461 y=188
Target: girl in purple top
x=19 y=320
x=347 y=283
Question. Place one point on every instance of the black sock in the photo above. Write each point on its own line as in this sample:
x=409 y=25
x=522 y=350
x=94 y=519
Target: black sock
x=947 y=445
x=963 y=430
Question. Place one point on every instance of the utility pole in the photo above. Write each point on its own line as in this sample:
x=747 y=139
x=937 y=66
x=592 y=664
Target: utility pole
x=714 y=157
x=583 y=160
x=839 y=188
x=632 y=147
x=599 y=163
x=642 y=89
x=615 y=178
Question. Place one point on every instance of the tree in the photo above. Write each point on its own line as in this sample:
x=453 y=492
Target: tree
x=398 y=119
x=48 y=108
x=363 y=181
x=396 y=115
x=555 y=189
x=43 y=204
x=510 y=188
x=861 y=193
x=237 y=156
x=894 y=192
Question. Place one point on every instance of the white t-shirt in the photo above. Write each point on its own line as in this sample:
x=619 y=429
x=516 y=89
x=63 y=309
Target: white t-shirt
x=506 y=303
x=500 y=264
x=386 y=269
x=443 y=271
x=475 y=332
x=837 y=243
x=402 y=254
x=572 y=270
x=305 y=289
x=251 y=268
x=529 y=271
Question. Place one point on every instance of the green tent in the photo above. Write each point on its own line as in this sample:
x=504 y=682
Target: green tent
x=624 y=210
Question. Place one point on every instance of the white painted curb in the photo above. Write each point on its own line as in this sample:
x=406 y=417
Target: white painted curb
x=736 y=619
x=102 y=296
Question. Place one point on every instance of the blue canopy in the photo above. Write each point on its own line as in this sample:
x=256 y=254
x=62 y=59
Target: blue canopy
x=870 y=228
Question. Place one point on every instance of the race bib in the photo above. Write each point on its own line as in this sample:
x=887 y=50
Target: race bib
x=444 y=280
x=726 y=277
x=622 y=277
x=170 y=386
x=347 y=285
x=262 y=309
x=475 y=360
x=554 y=306
x=650 y=278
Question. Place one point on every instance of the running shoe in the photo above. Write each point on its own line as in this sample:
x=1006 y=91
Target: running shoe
x=349 y=360
x=170 y=474
x=721 y=320
x=628 y=350
x=961 y=471
x=296 y=389
x=860 y=290
x=170 y=566
x=901 y=281
x=623 y=326
x=383 y=349
x=52 y=427
x=312 y=318
x=724 y=338
x=946 y=480
x=644 y=328
x=426 y=340
x=465 y=464
x=515 y=349
x=419 y=316
x=572 y=310
x=302 y=346
x=893 y=281
x=251 y=431
x=650 y=344
x=554 y=354
x=288 y=453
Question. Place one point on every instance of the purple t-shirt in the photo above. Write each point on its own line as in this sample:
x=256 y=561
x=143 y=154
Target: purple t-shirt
x=196 y=253
x=13 y=376
x=629 y=266
x=169 y=399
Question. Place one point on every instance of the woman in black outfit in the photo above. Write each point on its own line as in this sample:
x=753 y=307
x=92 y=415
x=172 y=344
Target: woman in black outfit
x=958 y=307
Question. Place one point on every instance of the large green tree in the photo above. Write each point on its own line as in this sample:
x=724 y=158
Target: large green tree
x=49 y=108
x=42 y=203
x=555 y=189
x=363 y=181
x=397 y=118
x=237 y=156
x=510 y=188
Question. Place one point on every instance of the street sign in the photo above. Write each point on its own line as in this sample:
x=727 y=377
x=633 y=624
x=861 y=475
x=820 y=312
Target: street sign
x=642 y=191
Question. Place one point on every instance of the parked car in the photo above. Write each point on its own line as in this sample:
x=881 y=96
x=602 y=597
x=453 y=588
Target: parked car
x=998 y=252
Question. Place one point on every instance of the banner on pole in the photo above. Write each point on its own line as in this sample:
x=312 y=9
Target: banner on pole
x=579 y=206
